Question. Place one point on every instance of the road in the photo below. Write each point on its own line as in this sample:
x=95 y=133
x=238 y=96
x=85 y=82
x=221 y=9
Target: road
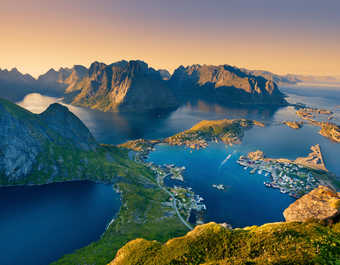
x=174 y=203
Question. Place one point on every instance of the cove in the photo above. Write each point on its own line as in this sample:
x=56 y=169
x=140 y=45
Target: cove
x=39 y=224
x=245 y=202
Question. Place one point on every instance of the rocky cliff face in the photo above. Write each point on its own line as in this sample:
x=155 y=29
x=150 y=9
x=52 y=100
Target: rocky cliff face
x=224 y=84
x=321 y=203
x=28 y=140
x=124 y=86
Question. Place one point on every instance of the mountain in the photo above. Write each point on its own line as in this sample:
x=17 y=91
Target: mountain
x=123 y=86
x=278 y=79
x=134 y=86
x=164 y=74
x=29 y=141
x=73 y=80
x=55 y=146
x=293 y=79
x=52 y=76
x=14 y=85
x=223 y=84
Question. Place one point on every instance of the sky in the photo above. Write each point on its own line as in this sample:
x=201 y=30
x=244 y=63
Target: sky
x=291 y=36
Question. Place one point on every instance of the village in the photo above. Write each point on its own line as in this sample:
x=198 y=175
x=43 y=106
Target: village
x=290 y=178
x=183 y=198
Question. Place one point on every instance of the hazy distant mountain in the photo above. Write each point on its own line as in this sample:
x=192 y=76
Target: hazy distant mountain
x=278 y=79
x=224 y=84
x=15 y=85
x=164 y=74
x=293 y=79
x=122 y=86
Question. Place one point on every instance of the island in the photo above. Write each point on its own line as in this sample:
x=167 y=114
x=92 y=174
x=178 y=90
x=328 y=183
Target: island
x=296 y=177
x=293 y=124
x=226 y=131
x=328 y=129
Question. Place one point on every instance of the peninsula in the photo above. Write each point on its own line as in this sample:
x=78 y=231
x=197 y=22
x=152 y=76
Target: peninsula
x=296 y=177
x=321 y=118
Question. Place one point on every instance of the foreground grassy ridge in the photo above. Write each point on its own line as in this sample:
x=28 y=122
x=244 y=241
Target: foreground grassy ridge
x=277 y=243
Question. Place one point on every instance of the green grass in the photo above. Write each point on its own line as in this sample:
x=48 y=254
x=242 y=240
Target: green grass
x=280 y=243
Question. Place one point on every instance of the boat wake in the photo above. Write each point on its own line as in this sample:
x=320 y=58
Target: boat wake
x=224 y=161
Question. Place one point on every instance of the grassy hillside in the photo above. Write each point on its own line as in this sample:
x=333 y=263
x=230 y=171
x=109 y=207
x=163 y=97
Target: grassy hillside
x=277 y=243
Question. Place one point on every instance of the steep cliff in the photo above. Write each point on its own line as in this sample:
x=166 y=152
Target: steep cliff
x=124 y=86
x=28 y=142
x=224 y=84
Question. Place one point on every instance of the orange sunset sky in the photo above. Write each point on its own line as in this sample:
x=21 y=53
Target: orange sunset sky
x=298 y=36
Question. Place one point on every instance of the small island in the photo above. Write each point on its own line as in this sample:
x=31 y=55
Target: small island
x=226 y=131
x=293 y=124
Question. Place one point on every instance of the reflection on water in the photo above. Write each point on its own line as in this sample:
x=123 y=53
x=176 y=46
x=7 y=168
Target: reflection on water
x=115 y=128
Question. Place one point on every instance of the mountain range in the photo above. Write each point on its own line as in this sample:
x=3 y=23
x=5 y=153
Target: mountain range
x=134 y=86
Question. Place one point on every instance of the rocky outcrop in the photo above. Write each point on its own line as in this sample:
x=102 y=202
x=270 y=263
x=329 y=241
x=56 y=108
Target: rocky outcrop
x=73 y=81
x=330 y=131
x=321 y=203
x=26 y=137
x=124 y=86
x=313 y=160
x=224 y=84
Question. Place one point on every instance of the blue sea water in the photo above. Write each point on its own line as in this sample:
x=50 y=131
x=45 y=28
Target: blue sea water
x=39 y=224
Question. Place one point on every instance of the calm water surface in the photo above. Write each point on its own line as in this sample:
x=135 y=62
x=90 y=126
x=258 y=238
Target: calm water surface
x=39 y=224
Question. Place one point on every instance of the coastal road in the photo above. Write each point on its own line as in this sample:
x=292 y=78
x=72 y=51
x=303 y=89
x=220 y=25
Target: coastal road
x=174 y=203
